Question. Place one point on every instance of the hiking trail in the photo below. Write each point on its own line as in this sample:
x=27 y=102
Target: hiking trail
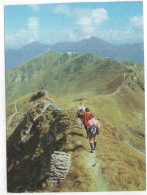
x=118 y=89
x=95 y=167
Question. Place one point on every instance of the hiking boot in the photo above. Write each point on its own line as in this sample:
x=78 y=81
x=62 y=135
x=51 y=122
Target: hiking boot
x=94 y=145
x=91 y=146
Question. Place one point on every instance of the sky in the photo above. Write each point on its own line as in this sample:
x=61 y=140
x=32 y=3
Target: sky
x=115 y=22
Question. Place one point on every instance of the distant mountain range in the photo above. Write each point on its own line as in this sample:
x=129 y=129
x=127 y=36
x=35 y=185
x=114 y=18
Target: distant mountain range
x=127 y=52
x=14 y=57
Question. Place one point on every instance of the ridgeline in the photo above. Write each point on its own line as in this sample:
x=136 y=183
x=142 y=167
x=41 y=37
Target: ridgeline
x=42 y=98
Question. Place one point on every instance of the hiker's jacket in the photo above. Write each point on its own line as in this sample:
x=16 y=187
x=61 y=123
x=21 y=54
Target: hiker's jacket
x=93 y=121
x=86 y=118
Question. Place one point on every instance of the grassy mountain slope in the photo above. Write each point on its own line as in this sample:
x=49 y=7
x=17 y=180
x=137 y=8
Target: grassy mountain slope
x=64 y=72
x=118 y=164
x=113 y=90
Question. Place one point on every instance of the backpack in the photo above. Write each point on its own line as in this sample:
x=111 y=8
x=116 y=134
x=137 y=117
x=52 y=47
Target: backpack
x=93 y=129
x=81 y=113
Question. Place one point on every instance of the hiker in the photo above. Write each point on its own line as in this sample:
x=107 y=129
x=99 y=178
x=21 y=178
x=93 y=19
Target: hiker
x=81 y=114
x=86 y=119
x=81 y=107
x=93 y=130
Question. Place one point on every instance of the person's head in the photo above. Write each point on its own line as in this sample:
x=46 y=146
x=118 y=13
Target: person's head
x=91 y=115
x=87 y=110
x=81 y=110
x=81 y=103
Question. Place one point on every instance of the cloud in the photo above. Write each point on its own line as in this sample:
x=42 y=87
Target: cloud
x=88 y=21
x=33 y=27
x=34 y=7
x=134 y=32
x=116 y=36
x=137 y=23
x=120 y=37
x=63 y=9
x=24 y=36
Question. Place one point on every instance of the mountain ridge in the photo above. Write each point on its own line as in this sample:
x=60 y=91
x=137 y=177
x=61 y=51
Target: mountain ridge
x=38 y=129
x=43 y=95
x=127 y=52
x=64 y=72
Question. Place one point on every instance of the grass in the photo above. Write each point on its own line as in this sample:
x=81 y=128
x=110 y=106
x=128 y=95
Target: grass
x=123 y=168
x=77 y=145
x=63 y=75
x=121 y=143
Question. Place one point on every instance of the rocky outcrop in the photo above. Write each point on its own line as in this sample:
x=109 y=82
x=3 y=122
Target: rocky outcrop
x=32 y=142
x=60 y=164
x=20 y=78
x=37 y=96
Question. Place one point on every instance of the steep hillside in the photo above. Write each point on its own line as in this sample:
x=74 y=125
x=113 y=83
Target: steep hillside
x=68 y=74
x=39 y=124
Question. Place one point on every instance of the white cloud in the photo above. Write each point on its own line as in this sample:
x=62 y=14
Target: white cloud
x=98 y=16
x=33 y=27
x=116 y=36
x=34 y=7
x=63 y=9
x=134 y=33
x=33 y=24
x=120 y=37
x=137 y=23
x=88 y=21
x=24 y=36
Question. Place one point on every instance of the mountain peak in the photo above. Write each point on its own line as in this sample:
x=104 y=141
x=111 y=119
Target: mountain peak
x=32 y=44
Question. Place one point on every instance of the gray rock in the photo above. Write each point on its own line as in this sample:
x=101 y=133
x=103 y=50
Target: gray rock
x=60 y=164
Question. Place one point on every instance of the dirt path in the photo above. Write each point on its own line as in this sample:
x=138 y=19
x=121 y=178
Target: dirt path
x=118 y=89
x=133 y=148
x=95 y=167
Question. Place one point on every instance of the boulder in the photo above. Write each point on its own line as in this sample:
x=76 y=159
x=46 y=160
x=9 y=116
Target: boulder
x=60 y=164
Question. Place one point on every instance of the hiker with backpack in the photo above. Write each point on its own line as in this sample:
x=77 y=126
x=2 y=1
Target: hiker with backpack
x=93 y=127
x=86 y=119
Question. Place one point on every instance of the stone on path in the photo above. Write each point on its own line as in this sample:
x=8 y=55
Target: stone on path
x=60 y=164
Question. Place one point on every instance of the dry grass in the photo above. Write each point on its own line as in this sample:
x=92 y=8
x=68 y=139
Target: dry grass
x=123 y=167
